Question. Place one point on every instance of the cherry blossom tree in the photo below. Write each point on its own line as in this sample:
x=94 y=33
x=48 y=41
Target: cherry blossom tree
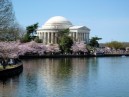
x=79 y=47
x=9 y=50
x=53 y=48
x=32 y=48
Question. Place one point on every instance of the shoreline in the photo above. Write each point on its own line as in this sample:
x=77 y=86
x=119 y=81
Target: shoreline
x=6 y=73
x=71 y=56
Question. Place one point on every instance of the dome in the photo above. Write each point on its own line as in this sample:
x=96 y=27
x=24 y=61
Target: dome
x=57 y=22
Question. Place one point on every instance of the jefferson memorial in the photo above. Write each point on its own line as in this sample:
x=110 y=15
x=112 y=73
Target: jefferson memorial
x=49 y=31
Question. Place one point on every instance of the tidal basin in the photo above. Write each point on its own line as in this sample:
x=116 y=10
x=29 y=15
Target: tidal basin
x=70 y=77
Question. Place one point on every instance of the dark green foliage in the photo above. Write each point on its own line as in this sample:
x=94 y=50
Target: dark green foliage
x=62 y=33
x=94 y=41
x=31 y=30
x=65 y=44
x=38 y=40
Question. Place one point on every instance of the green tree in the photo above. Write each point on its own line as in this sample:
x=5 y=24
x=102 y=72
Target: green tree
x=62 y=33
x=64 y=40
x=31 y=30
x=94 y=41
x=65 y=44
x=115 y=44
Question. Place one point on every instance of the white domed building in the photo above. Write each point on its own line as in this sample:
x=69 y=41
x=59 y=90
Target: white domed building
x=49 y=31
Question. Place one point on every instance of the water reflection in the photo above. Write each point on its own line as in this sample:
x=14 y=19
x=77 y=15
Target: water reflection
x=69 y=77
x=57 y=75
x=9 y=86
x=48 y=77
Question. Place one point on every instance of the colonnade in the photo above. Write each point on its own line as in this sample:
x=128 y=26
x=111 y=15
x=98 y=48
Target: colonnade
x=48 y=37
x=78 y=36
x=51 y=37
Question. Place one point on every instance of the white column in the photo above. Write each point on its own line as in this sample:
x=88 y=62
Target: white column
x=48 y=37
x=83 y=37
x=78 y=37
x=52 y=37
x=87 y=37
x=44 y=37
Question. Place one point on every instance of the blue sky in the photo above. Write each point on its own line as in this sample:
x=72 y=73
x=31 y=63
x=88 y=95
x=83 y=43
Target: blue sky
x=108 y=19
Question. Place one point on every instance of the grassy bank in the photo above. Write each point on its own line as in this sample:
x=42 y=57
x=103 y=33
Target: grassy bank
x=8 y=67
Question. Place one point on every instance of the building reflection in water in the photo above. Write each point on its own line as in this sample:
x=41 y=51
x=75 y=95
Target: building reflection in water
x=48 y=77
x=59 y=74
x=69 y=77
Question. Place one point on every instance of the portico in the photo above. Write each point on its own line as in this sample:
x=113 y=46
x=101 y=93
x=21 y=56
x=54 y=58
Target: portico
x=49 y=31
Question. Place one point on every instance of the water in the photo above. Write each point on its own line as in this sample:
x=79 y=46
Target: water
x=70 y=77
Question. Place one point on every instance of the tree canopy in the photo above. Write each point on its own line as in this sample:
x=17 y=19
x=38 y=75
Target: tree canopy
x=32 y=28
x=94 y=41
x=62 y=33
x=29 y=35
x=65 y=44
x=115 y=44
